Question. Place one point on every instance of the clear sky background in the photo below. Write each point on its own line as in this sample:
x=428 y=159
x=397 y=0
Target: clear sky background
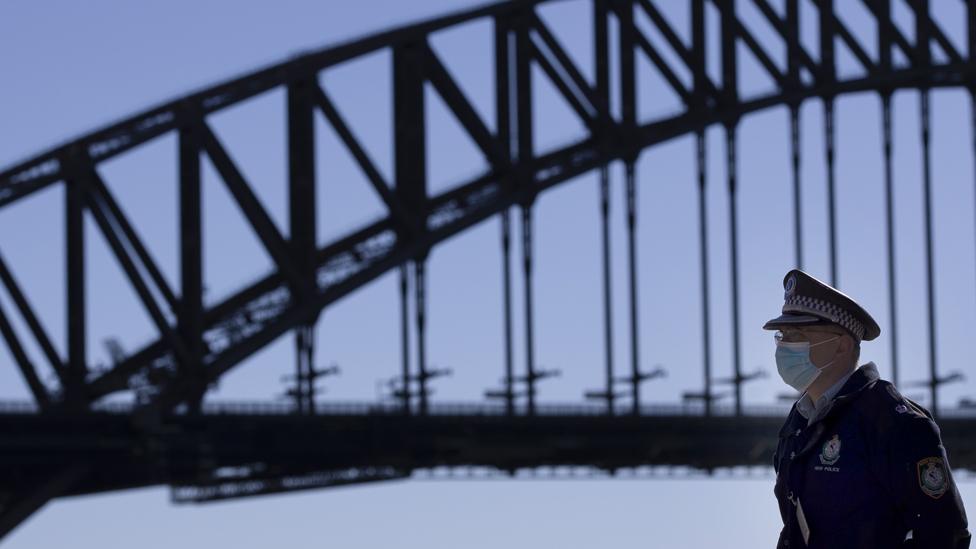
x=69 y=67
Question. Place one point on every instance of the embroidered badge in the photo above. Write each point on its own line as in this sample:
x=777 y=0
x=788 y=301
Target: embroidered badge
x=932 y=477
x=790 y=285
x=901 y=408
x=830 y=452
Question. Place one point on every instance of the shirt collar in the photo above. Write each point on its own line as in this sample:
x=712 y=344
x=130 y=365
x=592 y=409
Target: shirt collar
x=861 y=378
x=811 y=410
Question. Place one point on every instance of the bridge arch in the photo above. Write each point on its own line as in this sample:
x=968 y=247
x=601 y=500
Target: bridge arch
x=203 y=343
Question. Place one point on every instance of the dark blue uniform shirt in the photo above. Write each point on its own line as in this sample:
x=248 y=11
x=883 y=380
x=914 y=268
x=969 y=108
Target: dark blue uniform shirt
x=867 y=473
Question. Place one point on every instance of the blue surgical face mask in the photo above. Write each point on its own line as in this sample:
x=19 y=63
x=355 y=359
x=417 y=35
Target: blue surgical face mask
x=794 y=365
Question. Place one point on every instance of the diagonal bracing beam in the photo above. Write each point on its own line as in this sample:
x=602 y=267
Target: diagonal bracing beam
x=33 y=323
x=96 y=205
x=461 y=107
x=382 y=188
x=40 y=392
x=256 y=215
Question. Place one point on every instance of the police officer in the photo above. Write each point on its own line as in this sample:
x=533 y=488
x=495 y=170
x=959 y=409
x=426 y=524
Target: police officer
x=857 y=464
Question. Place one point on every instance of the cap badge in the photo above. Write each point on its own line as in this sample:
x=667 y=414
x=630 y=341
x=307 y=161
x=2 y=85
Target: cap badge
x=790 y=285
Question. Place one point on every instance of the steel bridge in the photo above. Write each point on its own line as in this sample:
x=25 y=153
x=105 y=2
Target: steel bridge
x=70 y=440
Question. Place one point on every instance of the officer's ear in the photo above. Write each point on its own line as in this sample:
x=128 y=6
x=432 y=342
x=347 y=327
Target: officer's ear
x=846 y=344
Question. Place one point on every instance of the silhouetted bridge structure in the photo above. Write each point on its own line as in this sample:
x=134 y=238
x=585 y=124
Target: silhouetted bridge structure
x=242 y=449
x=69 y=442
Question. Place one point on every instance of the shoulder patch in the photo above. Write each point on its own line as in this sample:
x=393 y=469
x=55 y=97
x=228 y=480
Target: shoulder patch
x=932 y=478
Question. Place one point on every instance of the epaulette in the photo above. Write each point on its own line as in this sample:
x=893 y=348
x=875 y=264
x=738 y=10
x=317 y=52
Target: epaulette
x=900 y=405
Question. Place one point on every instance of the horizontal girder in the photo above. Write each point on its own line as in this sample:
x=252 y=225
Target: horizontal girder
x=248 y=444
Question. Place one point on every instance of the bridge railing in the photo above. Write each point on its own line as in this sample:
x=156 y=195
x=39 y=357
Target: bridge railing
x=460 y=408
x=359 y=408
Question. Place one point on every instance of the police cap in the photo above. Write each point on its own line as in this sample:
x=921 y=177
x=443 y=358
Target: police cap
x=808 y=301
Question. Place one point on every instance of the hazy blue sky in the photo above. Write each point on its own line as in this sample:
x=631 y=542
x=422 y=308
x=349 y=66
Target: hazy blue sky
x=69 y=67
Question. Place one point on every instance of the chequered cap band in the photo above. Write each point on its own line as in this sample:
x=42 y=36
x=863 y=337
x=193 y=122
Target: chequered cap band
x=824 y=309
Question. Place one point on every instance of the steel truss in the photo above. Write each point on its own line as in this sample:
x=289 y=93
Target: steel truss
x=196 y=345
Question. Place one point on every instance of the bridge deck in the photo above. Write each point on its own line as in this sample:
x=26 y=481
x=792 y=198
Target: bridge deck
x=233 y=444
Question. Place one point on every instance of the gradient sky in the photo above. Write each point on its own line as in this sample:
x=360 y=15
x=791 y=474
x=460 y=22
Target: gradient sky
x=69 y=67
